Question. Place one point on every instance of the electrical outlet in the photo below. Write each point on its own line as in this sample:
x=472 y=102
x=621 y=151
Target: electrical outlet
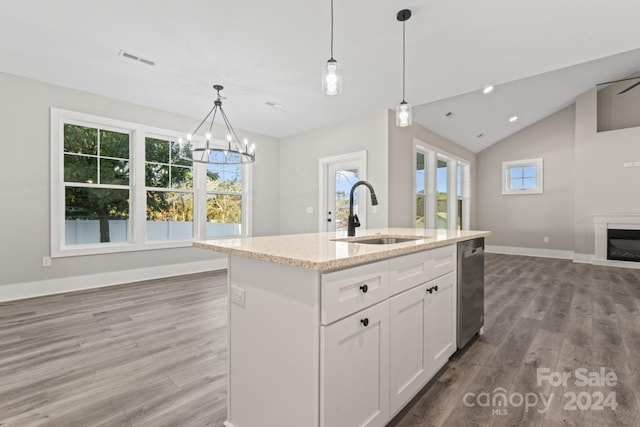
x=636 y=164
x=46 y=261
x=628 y=164
x=237 y=296
x=309 y=209
x=546 y=239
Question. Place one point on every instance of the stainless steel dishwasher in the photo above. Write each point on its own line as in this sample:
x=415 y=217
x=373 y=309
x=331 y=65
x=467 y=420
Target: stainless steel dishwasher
x=470 y=289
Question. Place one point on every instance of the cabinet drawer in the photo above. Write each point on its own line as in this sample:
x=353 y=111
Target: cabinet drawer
x=411 y=270
x=347 y=291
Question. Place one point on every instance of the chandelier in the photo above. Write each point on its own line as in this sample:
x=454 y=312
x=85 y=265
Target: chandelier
x=229 y=152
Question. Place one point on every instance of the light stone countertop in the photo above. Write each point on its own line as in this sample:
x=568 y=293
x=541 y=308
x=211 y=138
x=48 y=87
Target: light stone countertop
x=320 y=251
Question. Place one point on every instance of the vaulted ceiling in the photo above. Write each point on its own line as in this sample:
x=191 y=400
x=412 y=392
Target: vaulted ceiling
x=262 y=51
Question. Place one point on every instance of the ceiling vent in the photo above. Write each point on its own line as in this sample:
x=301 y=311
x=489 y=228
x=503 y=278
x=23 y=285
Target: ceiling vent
x=275 y=105
x=136 y=58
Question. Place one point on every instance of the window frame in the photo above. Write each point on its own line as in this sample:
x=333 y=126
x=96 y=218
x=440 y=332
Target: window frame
x=137 y=184
x=431 y=156
x=169 y=137
x=538 y=163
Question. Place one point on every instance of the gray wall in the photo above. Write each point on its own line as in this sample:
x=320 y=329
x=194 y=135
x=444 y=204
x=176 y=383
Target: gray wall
x=299 y=171
x=401 y=169
x=24 y=121
x=618 y=111
x=602 y=184
x=524 y=220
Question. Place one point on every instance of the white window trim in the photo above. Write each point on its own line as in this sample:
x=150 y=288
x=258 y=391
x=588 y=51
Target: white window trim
x=137 y=209
x=432 y=154
x=507 y=165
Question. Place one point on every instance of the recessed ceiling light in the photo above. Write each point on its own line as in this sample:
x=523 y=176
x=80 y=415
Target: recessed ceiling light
x=513 y=118
x=275 y=105
x=487 y=89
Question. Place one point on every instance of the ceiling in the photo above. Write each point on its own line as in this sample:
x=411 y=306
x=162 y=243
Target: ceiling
x=273 y=51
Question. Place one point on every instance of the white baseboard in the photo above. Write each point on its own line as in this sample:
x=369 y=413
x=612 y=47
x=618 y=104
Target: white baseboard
x=616 y=263
x=583 y=258
x=19 y=291
x=536 y=252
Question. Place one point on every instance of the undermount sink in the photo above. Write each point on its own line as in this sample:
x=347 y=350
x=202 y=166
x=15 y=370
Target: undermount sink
x=380 y=240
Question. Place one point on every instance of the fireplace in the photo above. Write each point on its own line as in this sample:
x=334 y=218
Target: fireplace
x=623 y=245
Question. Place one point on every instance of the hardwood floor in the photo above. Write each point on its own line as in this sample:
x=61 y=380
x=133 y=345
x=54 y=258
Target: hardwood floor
x=151 y=353
x=154 y=353
x=542 y=313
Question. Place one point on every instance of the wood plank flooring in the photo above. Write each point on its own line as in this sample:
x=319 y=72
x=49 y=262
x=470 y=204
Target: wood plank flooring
x=154 y=353
x=542 y=313
x=151 y=353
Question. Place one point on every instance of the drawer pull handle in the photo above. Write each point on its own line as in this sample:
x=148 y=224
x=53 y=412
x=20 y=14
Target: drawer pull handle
x=430 y=290
x=365 y=322
x=364 y=289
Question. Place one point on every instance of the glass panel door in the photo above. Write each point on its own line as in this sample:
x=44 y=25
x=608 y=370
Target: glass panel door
x=341 y=179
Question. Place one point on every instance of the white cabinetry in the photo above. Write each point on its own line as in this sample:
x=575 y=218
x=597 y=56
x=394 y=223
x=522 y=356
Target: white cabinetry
x=354 y=369
x=422 y=336
x=347 y=348
x=409 y=363
x=441 y=321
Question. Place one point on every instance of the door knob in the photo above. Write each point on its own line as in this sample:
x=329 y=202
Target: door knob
x=435 y=288
x=430 y=290
x=365 y=322
x=364 y=288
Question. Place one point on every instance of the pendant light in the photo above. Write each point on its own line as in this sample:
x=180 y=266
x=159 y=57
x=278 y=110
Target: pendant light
x=403 y=110
x=331 y=72
x=229 y=152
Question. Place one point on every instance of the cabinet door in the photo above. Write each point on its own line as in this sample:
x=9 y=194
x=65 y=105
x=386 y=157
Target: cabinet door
x=408 y=360
x=441 y=321
x=354 y=364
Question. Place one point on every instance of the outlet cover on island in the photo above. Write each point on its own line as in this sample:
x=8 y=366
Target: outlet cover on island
x=46 y=261
x=546 y=239
x=237 y=296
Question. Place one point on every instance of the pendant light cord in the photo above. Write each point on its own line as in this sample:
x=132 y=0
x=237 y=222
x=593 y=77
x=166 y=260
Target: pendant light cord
x=331 y=29
x=403 y=59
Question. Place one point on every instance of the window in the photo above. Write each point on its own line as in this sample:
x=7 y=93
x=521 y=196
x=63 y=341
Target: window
x=421 y=180
x=522 y=177
x=442 y=189
x=169 y=191
x=96 y=206
x=224 y=200
x=96 y=184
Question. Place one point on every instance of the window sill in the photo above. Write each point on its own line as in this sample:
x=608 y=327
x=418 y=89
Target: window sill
x=83 y=250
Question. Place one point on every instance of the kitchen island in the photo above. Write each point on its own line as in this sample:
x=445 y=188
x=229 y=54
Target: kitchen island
x=331 y=331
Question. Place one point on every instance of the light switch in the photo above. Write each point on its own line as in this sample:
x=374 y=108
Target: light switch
x=636 y=164
x=628 y=164
x=309 y=209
